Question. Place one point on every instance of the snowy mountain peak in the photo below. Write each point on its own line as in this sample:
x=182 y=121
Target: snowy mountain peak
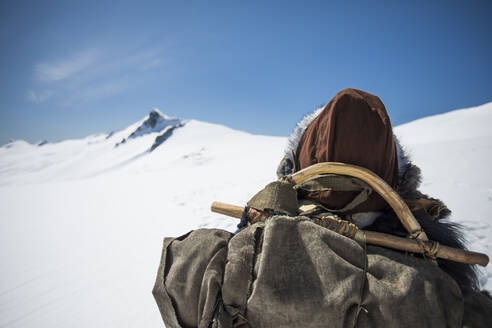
x=155 y=122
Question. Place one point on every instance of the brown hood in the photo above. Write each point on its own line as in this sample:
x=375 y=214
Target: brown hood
x=353 y=128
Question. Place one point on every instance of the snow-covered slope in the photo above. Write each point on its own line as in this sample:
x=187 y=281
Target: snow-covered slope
x=82 y=221
x=454 y=151
x=21 y=162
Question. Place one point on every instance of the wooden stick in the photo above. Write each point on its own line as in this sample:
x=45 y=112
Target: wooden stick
x=385 y=240
x=227 y=209
x=420 y=247
x=379 y=185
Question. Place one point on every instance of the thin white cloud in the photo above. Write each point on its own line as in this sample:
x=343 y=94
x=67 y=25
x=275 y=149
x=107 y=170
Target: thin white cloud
x=104 y=90
x=39 y=96
x=92 y=75
x=65 y=68
x=93 y=92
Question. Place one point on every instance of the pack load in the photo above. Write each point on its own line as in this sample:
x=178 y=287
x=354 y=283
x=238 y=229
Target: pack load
x=342 y=239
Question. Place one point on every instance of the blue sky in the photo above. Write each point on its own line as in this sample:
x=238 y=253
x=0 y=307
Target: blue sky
x=72 y=68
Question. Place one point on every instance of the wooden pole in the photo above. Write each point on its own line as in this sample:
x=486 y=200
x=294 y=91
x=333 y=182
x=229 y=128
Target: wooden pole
x=389 y=241
x=420 y=247
x=227 y=209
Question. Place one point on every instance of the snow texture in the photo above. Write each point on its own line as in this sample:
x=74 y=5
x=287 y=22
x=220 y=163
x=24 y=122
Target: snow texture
x=82 y=221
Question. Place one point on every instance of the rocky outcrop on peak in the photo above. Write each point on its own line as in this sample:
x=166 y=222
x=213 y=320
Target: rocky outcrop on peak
x=164 y=136
x=110 y=134
x=155 y=122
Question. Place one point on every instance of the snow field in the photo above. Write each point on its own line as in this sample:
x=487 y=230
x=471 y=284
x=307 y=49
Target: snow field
x=82 y=222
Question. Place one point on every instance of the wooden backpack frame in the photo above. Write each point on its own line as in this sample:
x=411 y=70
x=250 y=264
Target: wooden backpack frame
x=417 y=241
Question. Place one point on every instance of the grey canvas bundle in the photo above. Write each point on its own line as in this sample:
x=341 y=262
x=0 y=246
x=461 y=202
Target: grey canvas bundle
x=291 y=272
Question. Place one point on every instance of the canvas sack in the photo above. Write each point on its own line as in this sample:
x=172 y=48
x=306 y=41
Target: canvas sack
x=290 y=272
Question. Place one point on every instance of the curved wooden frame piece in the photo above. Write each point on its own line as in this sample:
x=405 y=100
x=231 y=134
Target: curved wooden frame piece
x=379 y=185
